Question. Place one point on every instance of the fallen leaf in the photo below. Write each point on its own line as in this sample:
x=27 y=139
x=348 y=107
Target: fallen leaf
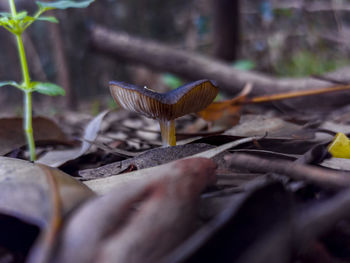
x=148 y=159
x=287 y=146
x=109 y=228
x=226 y=113
x=235 y=232
x=38 y=196
x=269 y=126
x=25 y=191
x=44 y=245
x=12 y=134
x=335 y=127
x=104 y=185
x=340 y=146
x=159 y=156
x=337 y=163
x=58 y=158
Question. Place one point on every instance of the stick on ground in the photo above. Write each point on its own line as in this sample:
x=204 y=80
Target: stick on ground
x=322 y=177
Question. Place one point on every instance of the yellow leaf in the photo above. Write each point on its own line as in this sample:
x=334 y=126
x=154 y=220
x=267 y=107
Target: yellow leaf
x=340 y=146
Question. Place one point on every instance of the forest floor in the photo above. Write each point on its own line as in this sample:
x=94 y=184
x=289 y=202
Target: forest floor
x=104 y=189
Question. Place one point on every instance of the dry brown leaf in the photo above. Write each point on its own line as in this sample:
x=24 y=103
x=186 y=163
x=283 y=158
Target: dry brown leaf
x=59 y=157
x=110 y=229
x=26 y=193
x=12 y=135
x=38 y=195
x=43 y=247
x=147 y=159
x=103 y=185
x=238 y=228
x=269 y=126
x=226 y=112
x=337 y=163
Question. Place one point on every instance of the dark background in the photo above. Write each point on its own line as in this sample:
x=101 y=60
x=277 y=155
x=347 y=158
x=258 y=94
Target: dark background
x=281 y=38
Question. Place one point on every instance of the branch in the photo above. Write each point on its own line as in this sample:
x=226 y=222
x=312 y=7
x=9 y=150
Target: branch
x=322 y=177
x=194 y=66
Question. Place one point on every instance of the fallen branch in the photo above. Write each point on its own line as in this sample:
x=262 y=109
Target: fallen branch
x=323 y=177
x=194 y=66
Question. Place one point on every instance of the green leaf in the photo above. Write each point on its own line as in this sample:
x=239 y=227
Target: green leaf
x=5 y=14
x=4 y=18
x=51 y=19
x=9 y=83
x=21 y=15
x=28 y=19
x=63 y=4
x=48 y=88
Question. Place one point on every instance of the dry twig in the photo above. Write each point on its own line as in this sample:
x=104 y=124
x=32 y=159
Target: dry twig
x=323 y=177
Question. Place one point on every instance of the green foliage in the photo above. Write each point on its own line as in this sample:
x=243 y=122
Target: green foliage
x=16 y=23
x=304 y=63
x=64 y=4
x=244 y=64
x=9 y=83
x=48 y=88
x=172 y=81
x=51 y=19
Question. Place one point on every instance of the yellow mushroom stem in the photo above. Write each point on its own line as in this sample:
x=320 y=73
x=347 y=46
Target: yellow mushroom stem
x=167 y=129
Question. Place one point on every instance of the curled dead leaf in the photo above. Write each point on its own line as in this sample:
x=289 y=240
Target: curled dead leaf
x=12 y=137
x=226 y=112
x=40 y=196
x=59 y=157
x=110 y=228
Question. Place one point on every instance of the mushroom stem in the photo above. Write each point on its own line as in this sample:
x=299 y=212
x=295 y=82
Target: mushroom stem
x=167 y=129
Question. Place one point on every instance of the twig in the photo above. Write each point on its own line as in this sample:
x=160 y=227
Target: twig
x=295 y=94
x=323 y=177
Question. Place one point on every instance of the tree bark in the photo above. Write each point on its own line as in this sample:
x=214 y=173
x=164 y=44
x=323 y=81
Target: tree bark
x=226 y=29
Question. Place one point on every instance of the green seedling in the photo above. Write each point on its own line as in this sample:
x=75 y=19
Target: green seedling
x=16 y=23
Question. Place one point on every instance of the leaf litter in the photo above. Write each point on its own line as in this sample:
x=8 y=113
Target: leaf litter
x=266 y=190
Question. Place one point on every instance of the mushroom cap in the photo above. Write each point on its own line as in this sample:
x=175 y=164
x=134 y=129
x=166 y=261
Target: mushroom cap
x=189 y=98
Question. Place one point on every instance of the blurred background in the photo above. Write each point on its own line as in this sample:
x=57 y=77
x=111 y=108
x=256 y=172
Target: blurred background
x=291 y=38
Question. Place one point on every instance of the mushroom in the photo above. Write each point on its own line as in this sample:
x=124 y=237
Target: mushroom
x=165 y=107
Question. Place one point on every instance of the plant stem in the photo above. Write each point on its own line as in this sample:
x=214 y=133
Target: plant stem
x=23 y=59
x=12 y=7
x=28 y=127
